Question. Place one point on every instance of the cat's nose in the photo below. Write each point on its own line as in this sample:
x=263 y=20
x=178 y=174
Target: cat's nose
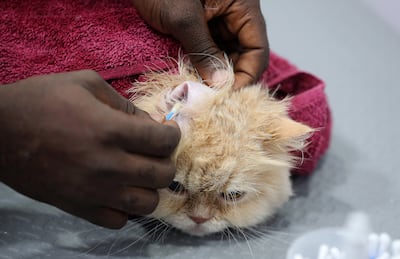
x=199 y=220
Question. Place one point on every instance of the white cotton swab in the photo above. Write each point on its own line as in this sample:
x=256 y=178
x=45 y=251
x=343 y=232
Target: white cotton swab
x=354 y=241
x=335 y=252
x=379 y=247
x=299 y=256
x=384 y=243
x=373 y=245
x=323 y=251
x=396 y=248
x=384 y=256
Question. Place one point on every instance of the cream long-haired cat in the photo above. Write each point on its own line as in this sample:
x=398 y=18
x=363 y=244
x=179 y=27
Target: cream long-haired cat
x=234 y=158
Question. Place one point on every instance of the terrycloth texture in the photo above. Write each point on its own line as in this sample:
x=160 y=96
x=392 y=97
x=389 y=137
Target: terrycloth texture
x=309 y=105
x=39 y=37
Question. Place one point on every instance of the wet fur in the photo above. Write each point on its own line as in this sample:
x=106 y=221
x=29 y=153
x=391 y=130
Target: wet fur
x=233 y=141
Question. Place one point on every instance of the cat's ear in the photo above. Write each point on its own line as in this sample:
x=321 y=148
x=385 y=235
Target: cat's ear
x=290 y=129
x=191 y=93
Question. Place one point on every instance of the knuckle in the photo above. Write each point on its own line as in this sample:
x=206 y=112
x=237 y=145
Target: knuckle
x=182 y=19
x=149 y=174
x=146 y=133
x=130 y=202
x=91 y=73
x=92 y=77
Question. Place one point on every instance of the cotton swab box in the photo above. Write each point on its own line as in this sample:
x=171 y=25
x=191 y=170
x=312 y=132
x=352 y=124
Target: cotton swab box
x=354 y=241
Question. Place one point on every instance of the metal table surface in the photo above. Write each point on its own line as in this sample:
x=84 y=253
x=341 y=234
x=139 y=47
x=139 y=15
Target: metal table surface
x=357 y=53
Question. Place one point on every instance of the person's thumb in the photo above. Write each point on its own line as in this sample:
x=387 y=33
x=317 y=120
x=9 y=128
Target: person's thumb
x=190 y=28
x=105 y=93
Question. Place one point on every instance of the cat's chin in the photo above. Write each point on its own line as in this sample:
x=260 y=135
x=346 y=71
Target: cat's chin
x=198 y=231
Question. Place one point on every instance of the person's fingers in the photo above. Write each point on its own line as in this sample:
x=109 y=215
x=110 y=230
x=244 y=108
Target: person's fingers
x=128 y=169
x=106 y=217
x=249 y=26
x=141 y=136
x=98 y=215
x=110 y=206
x=171 y=123
x=225 y=39
x=249 y=67
x=188 y=25
x=103 y=91
x=135 y=201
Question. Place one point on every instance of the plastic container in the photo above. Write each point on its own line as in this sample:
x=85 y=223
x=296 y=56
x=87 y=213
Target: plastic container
x=308 y=244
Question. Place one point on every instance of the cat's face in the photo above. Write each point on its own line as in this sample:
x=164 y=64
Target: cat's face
x=233 y=160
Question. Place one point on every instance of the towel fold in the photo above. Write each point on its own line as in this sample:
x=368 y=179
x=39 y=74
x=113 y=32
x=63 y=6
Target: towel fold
x=40 y=37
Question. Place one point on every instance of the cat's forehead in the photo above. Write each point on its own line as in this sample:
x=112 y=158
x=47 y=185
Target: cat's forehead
x=217 y=174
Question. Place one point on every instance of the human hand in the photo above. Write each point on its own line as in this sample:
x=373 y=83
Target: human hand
x=72 y=141
x=204 y=27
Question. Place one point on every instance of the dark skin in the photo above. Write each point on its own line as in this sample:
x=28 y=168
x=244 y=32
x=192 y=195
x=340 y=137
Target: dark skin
x=72 y=141
x=209 y=27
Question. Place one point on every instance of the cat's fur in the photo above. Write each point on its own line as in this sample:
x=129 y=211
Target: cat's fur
x=235 y=154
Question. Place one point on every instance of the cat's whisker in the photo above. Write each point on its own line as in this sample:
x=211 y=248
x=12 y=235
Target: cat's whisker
x=142 y=220
x=257 y=237
x=247 y=241
x=163 y=233
x=163 y=222
x=234 y=238
x=87 y=231
x=275 y=91
x=160 y=229
x=99 y=243
x=231 y=236
x=271 y=235
x=223 y=234
x=145 y=235
x=134 y=225
x=226 y=233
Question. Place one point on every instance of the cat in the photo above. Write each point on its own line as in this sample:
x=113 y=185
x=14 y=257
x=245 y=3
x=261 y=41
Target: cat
x=234 y=158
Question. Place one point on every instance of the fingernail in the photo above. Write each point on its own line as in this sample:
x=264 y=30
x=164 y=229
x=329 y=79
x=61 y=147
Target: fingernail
x=171 y=123
x=220 y=77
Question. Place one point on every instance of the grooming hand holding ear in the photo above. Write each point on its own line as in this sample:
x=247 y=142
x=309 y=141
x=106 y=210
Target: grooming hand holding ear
x=72 y=141
x=206 y=27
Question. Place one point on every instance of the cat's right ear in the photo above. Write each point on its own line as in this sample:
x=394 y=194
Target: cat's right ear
x=289 y=129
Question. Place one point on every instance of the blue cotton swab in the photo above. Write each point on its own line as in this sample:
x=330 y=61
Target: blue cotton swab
x=173 y=112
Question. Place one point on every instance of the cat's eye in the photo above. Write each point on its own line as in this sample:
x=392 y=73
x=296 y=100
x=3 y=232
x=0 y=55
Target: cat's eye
x=232 y=196
x=177 y=187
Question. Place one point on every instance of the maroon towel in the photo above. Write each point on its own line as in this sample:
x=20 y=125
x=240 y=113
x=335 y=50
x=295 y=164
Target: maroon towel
x=39 y=37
